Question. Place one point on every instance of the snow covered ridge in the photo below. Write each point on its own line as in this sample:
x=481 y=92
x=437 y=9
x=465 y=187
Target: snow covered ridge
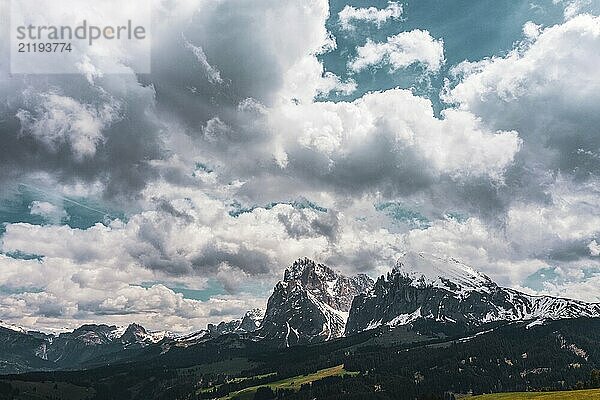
x=445 y=273
x=249 y=323
x=53 y=347
x=28 y=349
x=94 y=335
x=444 y=292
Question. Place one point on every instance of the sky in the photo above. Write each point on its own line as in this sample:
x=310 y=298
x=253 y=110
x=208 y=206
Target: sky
x=347 y=132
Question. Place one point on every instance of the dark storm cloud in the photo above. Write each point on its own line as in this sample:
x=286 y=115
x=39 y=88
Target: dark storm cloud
x=302 y=223
x=249 y=55
x=40 y=131
x=244 y=259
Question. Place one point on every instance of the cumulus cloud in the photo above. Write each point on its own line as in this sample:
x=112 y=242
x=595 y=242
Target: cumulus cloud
x=306 y=80
x=184 y=236
x=547 y=91
x=349 y=15
x=56 y=294
x=101 y=132
x=572 y=280
x=400 y=51
x=384 y=138
x=100 y=272
x=211 y=153
x=531 y=30
x=121 y=128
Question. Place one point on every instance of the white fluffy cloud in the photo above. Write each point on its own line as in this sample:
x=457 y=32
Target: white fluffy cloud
x=102 y=273
x=306 y=80
x=55 y=119
x=548 y=91
x=545 y=228
x=349 y=15
x=400 y=51
x=572 y=279
x=387 y=135
x=57 y=293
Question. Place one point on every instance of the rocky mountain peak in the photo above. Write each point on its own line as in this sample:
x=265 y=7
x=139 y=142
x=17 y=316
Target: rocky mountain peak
x=224 y=328
x=94 y=328
x=311 y=303
x=328 y=286
x=91 y=334
x=307 y=271
x=134 y=333
x=252 y=320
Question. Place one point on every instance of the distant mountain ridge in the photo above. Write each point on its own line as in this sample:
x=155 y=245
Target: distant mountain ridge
x=22 y=350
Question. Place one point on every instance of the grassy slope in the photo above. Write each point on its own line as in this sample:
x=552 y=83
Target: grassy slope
x=290 y=383
x=237 y=380
x=572 y=395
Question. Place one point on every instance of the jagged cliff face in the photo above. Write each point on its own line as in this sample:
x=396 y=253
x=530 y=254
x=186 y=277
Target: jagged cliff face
x=448 y=294
x=311 y=304
x=250 y=322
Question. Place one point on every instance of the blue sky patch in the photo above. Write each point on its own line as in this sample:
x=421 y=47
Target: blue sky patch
x=490 y=28
x=81 y=213
x=401 y=214
x=213 y=288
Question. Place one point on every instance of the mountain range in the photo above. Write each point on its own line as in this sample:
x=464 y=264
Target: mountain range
x=317 y=317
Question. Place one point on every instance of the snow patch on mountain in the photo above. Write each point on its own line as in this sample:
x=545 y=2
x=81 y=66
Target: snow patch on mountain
x=404 y=319
x=444 y=273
